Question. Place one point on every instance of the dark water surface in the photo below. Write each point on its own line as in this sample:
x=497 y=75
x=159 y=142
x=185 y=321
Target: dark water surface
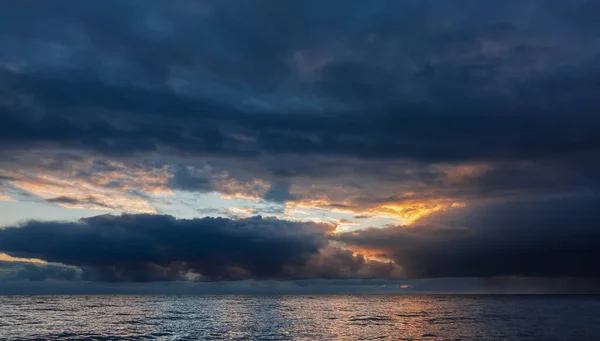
x=299 y=318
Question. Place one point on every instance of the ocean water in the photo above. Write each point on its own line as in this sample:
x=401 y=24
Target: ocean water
x=353 y=317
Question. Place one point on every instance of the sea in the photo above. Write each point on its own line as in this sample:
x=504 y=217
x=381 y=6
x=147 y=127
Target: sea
x=337 y=317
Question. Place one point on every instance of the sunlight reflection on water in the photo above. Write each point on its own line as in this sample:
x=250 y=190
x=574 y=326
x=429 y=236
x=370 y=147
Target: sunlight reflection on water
x=299 y=318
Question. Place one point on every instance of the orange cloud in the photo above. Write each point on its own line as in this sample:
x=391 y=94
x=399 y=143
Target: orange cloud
x=6 y=258
x=124 y=178
x=406 y=212
x=411 y=212
x=82 y=194
x=79 y=184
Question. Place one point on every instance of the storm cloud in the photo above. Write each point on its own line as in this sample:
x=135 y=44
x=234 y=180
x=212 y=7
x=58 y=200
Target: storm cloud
x=162 y=248
x=550 y=238
x=411 y=80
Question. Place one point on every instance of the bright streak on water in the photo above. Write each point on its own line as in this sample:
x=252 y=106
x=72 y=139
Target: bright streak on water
x=299 y=317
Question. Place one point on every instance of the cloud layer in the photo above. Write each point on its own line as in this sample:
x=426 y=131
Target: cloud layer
x=393 y=79
x=550 y=239
x=441 y=140
x=162 y=248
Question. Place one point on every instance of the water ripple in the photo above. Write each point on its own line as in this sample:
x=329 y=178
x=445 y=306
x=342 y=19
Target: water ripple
x=108 y=318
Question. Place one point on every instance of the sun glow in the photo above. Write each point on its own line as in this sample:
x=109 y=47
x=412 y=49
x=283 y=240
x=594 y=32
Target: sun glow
x=405 y=213
x=410 y=213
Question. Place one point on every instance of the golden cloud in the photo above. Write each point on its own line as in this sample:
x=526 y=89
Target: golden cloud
x=79 y=184
x=79 y=193
x=6 y=258
x=406 y=212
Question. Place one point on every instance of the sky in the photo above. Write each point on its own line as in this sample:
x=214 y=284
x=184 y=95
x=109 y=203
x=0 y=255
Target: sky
x=296 y=146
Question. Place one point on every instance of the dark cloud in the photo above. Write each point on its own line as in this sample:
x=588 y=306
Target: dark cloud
x=190 y=179
x=557 y=238
x=155 y=248
x=420 y=81
x=279 y=192
x=89 y=201
x=336 y=263
x=146 y=247
x=24 y=271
